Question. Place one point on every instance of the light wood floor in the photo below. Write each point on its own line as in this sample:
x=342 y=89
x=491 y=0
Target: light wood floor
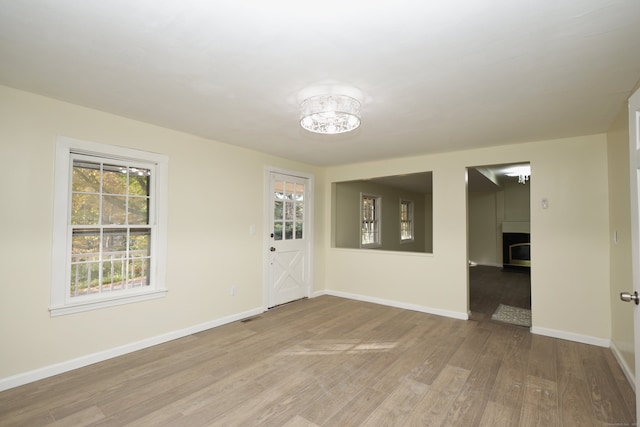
x=330 y=361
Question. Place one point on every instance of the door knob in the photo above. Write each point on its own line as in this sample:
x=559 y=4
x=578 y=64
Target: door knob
x=272 y=249
x=628 y=297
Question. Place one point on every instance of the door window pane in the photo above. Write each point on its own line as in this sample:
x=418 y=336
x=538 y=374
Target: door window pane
x=288 y=210
x=288 y=215
x=277 y=231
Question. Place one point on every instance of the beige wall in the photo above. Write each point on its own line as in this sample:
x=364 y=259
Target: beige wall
x=215 y=195
x=620 y=222
x=517 y=198
x=560 y=272
x=484 y=228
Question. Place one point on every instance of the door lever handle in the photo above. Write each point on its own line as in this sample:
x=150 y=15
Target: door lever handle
x=628 y=297
x=272 y=249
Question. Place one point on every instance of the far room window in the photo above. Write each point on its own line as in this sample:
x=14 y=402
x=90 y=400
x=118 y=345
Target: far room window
x=109 y=226
x=406 y=220
x=371 y=208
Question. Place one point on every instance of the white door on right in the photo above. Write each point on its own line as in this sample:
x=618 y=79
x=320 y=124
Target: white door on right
x=633 y=296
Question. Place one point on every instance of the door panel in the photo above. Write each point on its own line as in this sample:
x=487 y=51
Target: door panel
x=288 y=275
x=634 y=154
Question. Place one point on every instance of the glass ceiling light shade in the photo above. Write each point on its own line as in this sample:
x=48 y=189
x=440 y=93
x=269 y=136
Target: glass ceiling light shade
x=330 y=114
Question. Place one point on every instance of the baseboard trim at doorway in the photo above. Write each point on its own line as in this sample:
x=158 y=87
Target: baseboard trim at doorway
x=628 y=373
x=399 y=304
x=569 y=336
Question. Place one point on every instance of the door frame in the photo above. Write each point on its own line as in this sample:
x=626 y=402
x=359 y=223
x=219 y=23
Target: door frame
x=498 y=232
x=309 y=224
x=634 y=173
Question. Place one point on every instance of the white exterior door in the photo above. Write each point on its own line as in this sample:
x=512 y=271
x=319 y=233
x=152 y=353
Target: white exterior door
x=289 y=240
x=634 y=151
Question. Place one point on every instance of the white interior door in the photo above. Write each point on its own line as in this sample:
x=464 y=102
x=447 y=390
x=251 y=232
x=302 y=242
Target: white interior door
x=634 y=150
x=288 y=264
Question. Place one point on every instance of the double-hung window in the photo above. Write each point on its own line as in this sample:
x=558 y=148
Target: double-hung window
x=109 y=226
x=406 y=220
x=370 y=216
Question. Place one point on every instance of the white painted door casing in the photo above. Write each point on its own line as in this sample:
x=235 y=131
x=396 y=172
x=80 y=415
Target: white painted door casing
x=634 y=155
x=288 y=242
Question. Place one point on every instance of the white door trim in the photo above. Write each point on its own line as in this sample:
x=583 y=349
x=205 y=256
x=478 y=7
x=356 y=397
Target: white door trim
x=634 y=161
x=266 y=242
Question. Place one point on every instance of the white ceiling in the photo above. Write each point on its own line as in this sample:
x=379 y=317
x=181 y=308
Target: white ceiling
x=432 y=75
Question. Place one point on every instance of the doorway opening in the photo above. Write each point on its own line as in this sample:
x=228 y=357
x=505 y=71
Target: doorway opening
x=498 y=240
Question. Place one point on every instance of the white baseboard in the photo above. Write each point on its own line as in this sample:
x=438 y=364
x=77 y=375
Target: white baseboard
x=397 y=304
x=69 y=365
x=625 y=367
x=569 y=336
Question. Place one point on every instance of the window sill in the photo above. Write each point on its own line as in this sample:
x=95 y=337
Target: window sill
x=371 y=246
x=79 y=307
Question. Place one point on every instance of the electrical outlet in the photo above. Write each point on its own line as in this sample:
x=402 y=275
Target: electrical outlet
x=234 y=290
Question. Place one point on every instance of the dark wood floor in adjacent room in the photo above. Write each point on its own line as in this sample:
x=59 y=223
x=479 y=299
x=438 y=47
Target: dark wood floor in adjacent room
x=492 y=286
x=331 y=361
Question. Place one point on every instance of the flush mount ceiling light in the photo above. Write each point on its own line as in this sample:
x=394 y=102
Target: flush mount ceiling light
x=330 y=114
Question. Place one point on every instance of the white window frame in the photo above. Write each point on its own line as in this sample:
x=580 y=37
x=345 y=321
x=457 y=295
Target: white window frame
x=61 y=302
x=410 y=205
x=377 y=219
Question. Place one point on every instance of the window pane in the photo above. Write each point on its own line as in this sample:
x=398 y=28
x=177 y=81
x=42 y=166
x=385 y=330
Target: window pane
x=138 y=210
x=299 y=230
x=288 y=230
x=299 y=192
x=86 y=177
x=139 y=181
x=299 y=211
x=278 y=190
x=114 y=240
x=277 y=210
x=277 y=231
x=85 y=245
x=84 y=278
x=114 y=209
x=139 y=240
x=93 y=278
x=85 y=209
x=289 y=190
x=139 y=272
x=78 y=279
x=113 y=272
x=288 y=214
x=370 y=224
x=114 y=179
